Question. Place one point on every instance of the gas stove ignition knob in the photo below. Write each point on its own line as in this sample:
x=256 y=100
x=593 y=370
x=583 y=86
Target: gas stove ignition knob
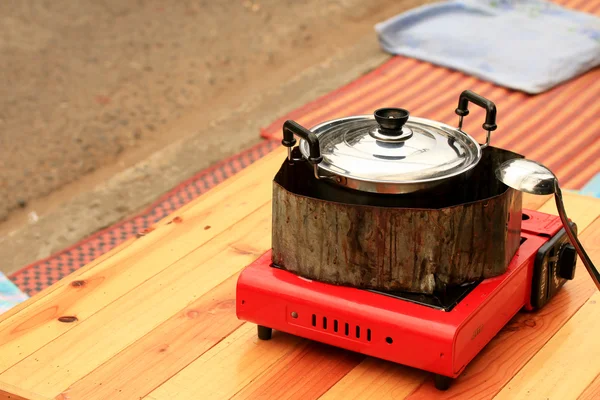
x=567 y=258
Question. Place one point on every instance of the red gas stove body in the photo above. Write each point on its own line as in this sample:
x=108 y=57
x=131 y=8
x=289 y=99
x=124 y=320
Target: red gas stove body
x=440 y=338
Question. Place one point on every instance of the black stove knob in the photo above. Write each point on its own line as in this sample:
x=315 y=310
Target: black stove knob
x=567 y=258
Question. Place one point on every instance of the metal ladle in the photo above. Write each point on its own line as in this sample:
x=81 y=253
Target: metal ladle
x=531 y=177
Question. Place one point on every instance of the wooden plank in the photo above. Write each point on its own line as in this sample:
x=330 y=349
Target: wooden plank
x=10 y=392
x=305 y=373
x=532 y=202
x=165 y=350
x=523 y=337
x=25 y=331
x=284 y=367
x=376 y=379
x=211 y=376
x=59 y=284
x=583 y=210
x=592 y=392
x=23 y=334
x=94 y=340
x=568 y=363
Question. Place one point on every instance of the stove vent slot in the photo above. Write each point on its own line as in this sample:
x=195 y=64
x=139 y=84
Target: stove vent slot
x=342 y=328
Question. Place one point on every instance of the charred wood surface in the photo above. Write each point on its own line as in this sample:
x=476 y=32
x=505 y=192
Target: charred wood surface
x=395 y=248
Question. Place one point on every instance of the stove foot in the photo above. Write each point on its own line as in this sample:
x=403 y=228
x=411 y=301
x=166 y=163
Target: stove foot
x=442 y=382
x=264 y=333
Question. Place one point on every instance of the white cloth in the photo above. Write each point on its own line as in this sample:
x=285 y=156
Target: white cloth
x=527 y=45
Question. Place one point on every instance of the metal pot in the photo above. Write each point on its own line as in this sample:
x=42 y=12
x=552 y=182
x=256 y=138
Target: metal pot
x=390 y=152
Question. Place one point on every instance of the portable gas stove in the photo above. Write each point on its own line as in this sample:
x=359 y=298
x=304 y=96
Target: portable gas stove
x=439 y=333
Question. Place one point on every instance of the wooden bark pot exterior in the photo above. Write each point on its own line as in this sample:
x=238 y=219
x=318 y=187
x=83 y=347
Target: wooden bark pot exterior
x=391 y=248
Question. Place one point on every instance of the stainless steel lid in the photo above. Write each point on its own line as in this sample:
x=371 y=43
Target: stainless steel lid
x=391 y=147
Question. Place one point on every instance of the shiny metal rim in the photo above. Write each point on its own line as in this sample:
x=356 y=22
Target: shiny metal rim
x=303 y=145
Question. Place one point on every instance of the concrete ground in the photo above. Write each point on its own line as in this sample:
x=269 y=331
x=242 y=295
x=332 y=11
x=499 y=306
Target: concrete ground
x=105 y=105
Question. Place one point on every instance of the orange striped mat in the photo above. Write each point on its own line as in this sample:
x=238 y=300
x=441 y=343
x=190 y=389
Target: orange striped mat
x=559 y=128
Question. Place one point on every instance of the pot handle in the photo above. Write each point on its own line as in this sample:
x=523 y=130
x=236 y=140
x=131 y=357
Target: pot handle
x=291 y=128
x=490 y=112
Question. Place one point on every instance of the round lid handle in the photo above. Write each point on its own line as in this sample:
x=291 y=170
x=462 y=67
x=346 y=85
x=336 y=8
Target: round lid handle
x=391 y=120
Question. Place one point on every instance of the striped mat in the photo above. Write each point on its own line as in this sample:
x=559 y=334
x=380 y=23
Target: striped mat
x=559 y=128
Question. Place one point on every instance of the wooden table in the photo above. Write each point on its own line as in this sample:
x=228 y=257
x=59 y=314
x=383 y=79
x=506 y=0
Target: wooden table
x=155 y=319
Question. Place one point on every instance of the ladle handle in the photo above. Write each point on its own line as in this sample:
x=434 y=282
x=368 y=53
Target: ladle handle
x=490 y=109
x=587 y=262
x=291 y=128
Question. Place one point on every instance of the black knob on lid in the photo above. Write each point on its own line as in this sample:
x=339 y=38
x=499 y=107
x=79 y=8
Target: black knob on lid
x=391 y=120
